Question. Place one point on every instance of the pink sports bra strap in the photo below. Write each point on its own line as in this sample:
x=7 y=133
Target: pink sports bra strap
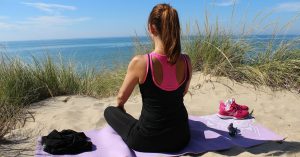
x=169 y=82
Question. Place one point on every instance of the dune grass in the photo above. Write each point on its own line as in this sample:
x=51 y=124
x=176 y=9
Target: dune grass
x=10 y=116
x=219 y=55
x=219 y=51
x=22 y=84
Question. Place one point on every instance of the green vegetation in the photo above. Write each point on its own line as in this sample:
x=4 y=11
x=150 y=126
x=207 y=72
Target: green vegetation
x=219 y=52
x=10 y=116
x=219 y=55
x=22 y=84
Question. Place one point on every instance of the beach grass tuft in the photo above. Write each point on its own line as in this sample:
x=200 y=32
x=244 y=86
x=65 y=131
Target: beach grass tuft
x=11 y=116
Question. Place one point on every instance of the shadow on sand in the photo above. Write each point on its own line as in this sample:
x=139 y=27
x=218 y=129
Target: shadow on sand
x=272 y=148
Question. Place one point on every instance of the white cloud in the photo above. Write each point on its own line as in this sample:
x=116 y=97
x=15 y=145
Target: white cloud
x=51 y=24
x=54 y=20
x=4 y=25
x=224 y=3
x=42 y=22
x=289 y=7
x=54 y=17
x=50 y=8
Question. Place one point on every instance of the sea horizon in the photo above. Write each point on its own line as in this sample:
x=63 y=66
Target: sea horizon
x=101 y=52
x=133 y=36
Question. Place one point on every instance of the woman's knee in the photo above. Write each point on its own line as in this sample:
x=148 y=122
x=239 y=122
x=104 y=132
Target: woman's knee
x=108 y=111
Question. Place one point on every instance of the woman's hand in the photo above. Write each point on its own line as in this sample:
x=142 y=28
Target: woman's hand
x=122 y=108
x=190 y=75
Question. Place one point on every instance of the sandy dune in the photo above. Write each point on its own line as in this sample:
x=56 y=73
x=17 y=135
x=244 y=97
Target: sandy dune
x=278 y=111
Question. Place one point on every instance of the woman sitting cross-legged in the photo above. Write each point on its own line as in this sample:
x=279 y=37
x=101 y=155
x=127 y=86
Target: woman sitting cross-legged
x=163 y=76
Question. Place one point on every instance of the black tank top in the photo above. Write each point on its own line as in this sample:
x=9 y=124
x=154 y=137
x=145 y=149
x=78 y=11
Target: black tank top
x=163 y=112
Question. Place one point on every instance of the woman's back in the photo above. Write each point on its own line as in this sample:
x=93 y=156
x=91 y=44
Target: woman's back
x=163 y=115
x=163 y=97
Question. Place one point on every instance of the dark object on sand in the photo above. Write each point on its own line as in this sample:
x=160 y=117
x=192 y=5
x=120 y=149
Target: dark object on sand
x=66 y=142
x=67 y=99
x=232 y=130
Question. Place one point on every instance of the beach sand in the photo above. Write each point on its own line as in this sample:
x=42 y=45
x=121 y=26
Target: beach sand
x=278 y=111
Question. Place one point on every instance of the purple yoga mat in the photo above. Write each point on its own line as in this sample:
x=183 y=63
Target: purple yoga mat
x=208 y=133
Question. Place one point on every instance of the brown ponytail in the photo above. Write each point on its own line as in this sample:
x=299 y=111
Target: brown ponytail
x=166 y=21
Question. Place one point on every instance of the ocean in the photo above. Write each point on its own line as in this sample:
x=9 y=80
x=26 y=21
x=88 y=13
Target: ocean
x=96 y=52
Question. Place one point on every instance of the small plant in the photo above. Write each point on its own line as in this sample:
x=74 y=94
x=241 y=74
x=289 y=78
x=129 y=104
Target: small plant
x=10 y=117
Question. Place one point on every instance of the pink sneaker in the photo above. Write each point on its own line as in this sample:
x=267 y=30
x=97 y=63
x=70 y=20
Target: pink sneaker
x=230 y=109
x=232 y=102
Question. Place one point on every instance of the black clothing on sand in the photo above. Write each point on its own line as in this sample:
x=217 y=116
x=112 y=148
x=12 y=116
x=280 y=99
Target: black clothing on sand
x=66 y=142
x=163 y=124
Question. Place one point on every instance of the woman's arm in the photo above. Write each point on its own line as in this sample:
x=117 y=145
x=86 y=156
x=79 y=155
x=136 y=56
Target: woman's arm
x=130 y=81
x=190 y=72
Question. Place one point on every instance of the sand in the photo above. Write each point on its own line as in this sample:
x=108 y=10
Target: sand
x=278 y=111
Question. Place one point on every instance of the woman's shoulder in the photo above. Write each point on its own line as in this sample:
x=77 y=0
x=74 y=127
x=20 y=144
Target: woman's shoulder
x=188 y=59
x=139 y=61
x=139 y=58
x=186 y=56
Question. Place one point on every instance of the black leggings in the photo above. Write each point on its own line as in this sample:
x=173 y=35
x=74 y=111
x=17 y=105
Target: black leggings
x=120 y=121
x=127 y=127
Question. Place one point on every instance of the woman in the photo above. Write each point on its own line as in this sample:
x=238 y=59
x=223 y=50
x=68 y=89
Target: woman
x=163 y=77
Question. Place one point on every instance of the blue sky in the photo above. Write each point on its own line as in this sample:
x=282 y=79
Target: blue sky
x=55 y=19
